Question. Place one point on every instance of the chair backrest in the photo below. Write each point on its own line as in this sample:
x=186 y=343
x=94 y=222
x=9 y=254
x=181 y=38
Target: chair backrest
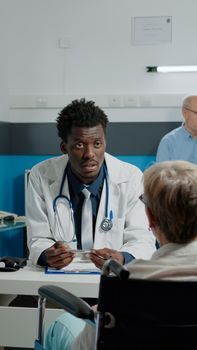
x=146 y=314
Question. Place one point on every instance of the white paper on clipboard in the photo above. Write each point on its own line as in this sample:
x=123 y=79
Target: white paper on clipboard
x=76 y=266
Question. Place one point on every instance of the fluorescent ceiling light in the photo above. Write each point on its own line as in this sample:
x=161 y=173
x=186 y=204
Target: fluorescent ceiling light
x=171 y=69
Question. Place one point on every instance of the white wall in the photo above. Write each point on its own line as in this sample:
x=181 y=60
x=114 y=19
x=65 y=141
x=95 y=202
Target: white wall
x=3 y=63
x=40 y=78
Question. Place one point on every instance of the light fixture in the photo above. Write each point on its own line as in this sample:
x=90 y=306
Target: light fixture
x=170 y=69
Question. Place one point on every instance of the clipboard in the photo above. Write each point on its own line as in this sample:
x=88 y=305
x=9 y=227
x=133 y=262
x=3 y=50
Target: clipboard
x=81 y=265
x=51 y=271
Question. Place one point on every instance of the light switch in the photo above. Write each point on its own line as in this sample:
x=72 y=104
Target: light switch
x=114 y=100
x=64 y=43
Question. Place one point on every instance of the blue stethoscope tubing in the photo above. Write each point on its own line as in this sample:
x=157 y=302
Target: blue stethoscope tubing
x=107 y=222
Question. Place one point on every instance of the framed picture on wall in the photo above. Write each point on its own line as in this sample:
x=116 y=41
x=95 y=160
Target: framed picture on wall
x=153 y=30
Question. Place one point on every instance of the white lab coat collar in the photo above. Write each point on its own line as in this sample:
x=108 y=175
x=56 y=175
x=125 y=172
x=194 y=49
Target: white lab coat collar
x=55 y=174
x=121 y=174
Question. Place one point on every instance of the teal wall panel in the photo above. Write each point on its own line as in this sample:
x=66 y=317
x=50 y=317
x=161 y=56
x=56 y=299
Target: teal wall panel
x=6 y=177
x=12 y=170
x=141 y=162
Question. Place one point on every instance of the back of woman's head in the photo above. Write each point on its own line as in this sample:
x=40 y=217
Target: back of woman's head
x=170 y=192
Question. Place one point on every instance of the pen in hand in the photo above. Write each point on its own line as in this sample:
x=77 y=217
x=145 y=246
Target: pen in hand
x=95 y=253
x=59 y=255
x=101 y=257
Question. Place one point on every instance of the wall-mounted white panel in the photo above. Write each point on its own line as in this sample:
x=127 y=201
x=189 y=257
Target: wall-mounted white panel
x=104 y=101
x=115 y=115
x=119 y=108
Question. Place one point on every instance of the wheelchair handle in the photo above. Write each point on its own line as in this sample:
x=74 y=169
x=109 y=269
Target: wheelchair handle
x=67 y=301
x=115 y=267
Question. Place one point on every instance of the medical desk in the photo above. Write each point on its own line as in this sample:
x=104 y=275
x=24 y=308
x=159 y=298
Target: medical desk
x=18 y=325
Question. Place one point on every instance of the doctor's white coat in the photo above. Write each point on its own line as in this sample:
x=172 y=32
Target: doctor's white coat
x=130 y=226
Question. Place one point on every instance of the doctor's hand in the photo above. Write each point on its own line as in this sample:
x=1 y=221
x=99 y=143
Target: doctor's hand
x=99 y=256
x=59 y=255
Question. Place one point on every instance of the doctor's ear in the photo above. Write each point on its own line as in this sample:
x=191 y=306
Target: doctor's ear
x=63 y=147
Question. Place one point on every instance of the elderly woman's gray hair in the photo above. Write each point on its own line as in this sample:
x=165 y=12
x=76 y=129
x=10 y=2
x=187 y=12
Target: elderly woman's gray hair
x=170 y=192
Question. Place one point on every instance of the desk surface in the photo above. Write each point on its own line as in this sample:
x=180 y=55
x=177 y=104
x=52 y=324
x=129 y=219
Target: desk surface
x=26 y=281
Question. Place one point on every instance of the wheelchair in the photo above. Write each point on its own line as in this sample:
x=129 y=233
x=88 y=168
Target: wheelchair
x=132 y=313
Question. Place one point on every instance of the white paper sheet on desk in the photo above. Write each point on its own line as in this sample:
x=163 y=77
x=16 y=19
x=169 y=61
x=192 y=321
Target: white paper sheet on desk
x=78 y=265
x=81 y=266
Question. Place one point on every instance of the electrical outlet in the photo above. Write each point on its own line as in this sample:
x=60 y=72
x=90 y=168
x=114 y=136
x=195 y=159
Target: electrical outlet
x=41 y=101
x=130 y=101
x=64 y=43
x=145 y=101
x=114 y=101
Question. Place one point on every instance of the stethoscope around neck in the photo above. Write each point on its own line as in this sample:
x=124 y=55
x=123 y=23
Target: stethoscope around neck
x=106 y=223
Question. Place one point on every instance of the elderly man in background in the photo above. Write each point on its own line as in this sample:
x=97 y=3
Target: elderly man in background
x=181 y=143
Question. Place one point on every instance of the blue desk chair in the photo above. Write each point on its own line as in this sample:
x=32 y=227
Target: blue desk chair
x=133 y=313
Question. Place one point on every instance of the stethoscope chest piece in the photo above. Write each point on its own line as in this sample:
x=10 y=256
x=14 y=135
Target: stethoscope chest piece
x=106 y=224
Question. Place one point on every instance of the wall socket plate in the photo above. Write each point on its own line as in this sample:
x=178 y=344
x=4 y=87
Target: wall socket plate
x=145 y=101
x=130 y=101
x=41 y=102
x=64 y=43
x=114 y=100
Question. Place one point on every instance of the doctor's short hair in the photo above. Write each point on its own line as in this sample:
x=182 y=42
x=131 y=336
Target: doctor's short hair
x=80 y=113
x=170 y=192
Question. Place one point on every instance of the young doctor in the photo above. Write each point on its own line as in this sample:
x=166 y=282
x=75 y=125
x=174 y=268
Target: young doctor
x=55 y=199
